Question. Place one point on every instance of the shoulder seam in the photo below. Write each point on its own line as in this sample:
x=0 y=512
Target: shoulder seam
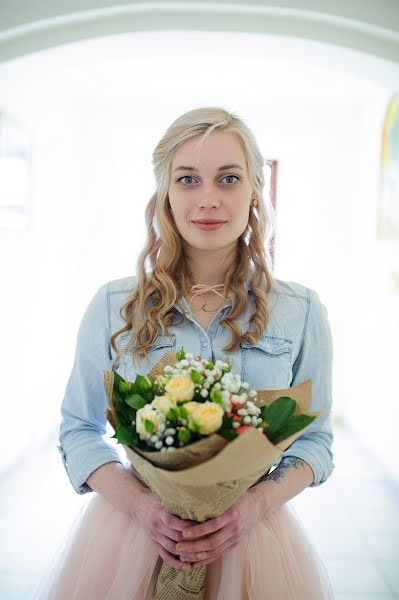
x=306 y=317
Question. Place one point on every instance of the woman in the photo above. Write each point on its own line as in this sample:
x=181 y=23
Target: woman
x=203 y=282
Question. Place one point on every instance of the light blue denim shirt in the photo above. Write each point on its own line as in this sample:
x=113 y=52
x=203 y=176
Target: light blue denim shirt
x=296 y=346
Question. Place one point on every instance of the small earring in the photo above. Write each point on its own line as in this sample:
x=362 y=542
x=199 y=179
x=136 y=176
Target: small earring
x=254 y=202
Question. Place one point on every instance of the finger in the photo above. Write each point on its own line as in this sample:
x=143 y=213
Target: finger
x=171 y=560
x=210 y=542
x=172 y=534
x=173 y=522
x=203 y=529
x=212 y=556
x=165 y=542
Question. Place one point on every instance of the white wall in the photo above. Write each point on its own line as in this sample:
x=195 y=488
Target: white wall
x=95 y=122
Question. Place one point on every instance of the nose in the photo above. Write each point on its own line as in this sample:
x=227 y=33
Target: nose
x=208 y=198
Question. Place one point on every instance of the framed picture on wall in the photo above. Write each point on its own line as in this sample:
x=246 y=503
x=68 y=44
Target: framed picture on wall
x=15 y=174
x=388 y=199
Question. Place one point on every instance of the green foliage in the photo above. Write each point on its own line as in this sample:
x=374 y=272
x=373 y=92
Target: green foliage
x=144 y=384
x=180 y=354
x=123 y=386
x=229 y=434
x=172 y=414
x=281 y=419
x=182 y=412
x=149 y=426
x=194 y=426
x=135 y=401
x=216 y=396
x=295 y=424
x=124 y=433
x=278 y=413
x=195 y=376
x=183 y=435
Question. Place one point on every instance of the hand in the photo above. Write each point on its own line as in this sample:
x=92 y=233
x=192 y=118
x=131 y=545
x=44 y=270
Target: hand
x=164 y=529
x=209 y=540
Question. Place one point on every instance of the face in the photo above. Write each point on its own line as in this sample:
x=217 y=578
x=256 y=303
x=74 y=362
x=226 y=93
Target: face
x=210 y=205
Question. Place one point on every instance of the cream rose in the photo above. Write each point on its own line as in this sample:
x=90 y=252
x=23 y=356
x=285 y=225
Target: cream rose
x=164 y=403
x=181 y=388
x=149 y=414
x=208 y=416
x=191 y=406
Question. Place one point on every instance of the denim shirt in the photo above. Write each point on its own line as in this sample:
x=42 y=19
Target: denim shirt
x=296 y=346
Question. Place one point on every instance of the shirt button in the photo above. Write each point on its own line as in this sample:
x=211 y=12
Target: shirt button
x=205 y=344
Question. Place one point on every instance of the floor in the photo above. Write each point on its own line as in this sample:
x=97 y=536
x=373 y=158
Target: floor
x=353 y=520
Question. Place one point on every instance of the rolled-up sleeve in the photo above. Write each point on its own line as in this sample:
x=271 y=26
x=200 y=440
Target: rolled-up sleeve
x=314 y=362
x=81 y=445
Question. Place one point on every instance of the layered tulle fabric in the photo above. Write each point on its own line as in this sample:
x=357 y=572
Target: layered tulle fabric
x=108 y=556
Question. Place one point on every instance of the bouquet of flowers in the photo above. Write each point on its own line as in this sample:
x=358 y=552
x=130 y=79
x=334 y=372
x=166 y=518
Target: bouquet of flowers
x=199 y=438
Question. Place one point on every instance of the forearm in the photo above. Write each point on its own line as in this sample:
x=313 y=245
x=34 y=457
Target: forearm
x=291 y=477
x=119 y=487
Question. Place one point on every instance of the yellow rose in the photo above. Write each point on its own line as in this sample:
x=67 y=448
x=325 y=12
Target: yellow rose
x=190 y=407
x=164 y=403
x=208 y=416
x=149 y=414
x=181 y=388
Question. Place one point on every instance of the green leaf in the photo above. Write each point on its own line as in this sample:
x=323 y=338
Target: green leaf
x=118 y=400
x=279 y=413
x=144 y=383
x=180 y=354
x=149 y=426
x=194 y=426
x=125 y=434
x=195 y=376
x=172 y=414
x=216 y=396
x=210 y=365
x=228 y=434
x=295 y=424
x=123 y=387
x=184 y=435
x=181 y=412
x=135 y=401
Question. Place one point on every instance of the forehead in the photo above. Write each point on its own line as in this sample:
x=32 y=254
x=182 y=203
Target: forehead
x=219 y=146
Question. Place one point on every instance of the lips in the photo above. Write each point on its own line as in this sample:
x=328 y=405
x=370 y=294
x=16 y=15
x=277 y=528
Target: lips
x=209 y=221
x=209 y=225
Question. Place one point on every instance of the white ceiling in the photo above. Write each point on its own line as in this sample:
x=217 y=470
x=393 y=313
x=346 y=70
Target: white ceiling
x=127 y=65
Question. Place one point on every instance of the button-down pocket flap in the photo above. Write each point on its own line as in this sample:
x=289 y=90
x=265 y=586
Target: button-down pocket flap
x=270 y=344
x=162 y=341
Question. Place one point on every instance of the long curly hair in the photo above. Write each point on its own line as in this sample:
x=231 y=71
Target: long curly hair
x=162 y=276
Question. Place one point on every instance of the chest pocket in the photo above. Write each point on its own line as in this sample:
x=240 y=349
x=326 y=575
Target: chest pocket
x=156 y=350
x=267 y=364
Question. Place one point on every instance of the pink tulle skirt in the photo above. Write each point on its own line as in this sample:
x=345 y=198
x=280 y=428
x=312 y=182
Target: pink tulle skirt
x=108 y=556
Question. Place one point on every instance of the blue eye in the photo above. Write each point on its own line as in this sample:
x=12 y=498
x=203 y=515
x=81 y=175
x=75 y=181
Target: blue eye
x=230 y=176
x=190 y=177
x=185 y=177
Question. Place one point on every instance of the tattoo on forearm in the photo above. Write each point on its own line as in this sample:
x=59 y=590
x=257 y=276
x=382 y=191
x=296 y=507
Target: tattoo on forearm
x=291 y=462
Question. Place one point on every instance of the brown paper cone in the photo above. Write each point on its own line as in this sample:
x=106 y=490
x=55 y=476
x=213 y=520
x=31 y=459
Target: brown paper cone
x=202 y=480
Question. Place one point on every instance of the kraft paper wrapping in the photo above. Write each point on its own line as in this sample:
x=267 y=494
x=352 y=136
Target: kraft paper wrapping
x=202 y=480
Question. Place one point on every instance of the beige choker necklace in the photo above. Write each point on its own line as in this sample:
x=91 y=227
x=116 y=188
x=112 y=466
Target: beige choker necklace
x=201 y=288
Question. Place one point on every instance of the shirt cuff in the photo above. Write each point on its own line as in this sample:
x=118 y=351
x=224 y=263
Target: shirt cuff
x=310 y=452
x=92 y=461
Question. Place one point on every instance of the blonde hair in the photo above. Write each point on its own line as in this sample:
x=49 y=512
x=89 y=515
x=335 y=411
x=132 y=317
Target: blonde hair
x=166 y=280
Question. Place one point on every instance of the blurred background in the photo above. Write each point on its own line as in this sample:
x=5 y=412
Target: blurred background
x=87 y=89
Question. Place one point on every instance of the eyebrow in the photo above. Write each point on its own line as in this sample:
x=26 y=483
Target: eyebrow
x=223 y=168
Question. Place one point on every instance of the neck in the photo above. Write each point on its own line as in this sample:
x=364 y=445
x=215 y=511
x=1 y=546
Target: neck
x=209 y=268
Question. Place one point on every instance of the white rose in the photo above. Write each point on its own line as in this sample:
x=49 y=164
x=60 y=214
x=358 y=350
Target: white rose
x=164 y=403
x=148 y=414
